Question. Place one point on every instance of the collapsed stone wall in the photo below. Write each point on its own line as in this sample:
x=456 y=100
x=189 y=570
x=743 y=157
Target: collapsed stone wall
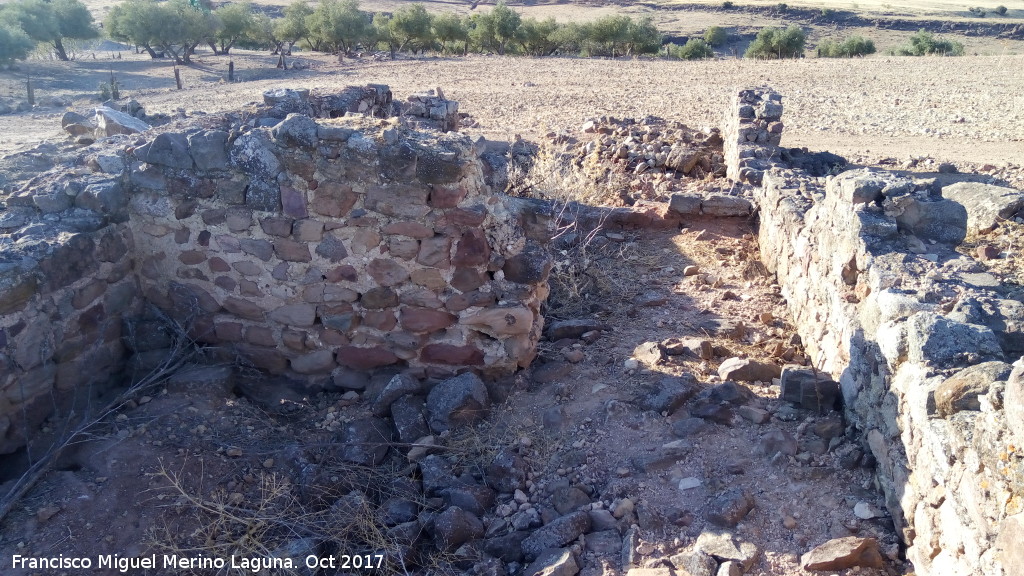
x=309 y=248
x=920 y=339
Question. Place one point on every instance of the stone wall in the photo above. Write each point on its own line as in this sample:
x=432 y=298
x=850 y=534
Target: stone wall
x=302 y=236
x=919 y=337
x=752 y=132
x=310 y=246
x=65 y=286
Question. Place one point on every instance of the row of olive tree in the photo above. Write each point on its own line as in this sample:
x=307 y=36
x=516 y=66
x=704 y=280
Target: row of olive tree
x=175 y=28
x=24 y=24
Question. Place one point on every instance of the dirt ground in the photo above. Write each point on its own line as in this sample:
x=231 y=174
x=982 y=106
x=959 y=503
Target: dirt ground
x=202 y=471
x=967 y=109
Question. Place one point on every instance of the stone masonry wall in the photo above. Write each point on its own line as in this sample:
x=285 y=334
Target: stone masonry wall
x=312 y=248
x=919 y=337
x=65 y=286
x=752 y=131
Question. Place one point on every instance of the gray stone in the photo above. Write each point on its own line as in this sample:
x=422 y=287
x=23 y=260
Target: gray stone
x=436 y=473
x=1009 y=551
x=365 y=442
x=105 y=197
x=209 y=149
x=294 y=314
x=960 y=391
x=986 y=205
x=1013 y=401
x=696 y=563
x=169 y=149
x=939 y=341
x=858 y=186
x=296 y=130
x=558 y=533
x=110 y=122
x=721 y=205
x=457 y=401
x=569 y=498
x=747 y=370
x=776 y=441
x=407 y=414
x=724 y=547
x=843 y=553
x=508 y=547
x=317 y=362
x=730 y=507
x=473 y=498
x=809 y=388
x=686 y=204
x=572 y=328
x=649 y=353
x=686 y=427
x=454 y=527
x=507 y=472
x=603 y=542
x=397 y=387
x=930 y=218
x=668 y=394
x=553 y=562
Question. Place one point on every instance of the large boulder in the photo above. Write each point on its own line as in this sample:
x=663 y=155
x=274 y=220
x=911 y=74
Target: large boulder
x=110 y=122
x=986 y=205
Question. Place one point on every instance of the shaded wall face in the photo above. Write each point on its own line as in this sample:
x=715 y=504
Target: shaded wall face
x=62 y=299
x=311 y=249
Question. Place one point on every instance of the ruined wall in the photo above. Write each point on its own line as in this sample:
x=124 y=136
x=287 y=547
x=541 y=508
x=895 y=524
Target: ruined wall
x=919 y=337
x=751 y=133
x=65 y=285
x=307 y=247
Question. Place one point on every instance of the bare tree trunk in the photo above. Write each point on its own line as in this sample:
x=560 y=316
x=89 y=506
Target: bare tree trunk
x=177 y=77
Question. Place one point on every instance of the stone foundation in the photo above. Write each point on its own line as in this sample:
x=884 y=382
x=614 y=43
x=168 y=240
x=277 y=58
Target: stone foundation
x=920 y=338
x=312 y=248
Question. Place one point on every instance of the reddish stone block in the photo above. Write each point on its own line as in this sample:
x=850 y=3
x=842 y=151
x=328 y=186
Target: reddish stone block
x=446 y=196
x=307 y=230
x=460 y=302
x=404 y=248
x=417 y=319
x=363 y=359
x=249 y=288
x=472 y=217
x=333 y=199
x=293 y=202
x=317 y=362
x=383 y=320
x=218 y=265
x=397 y=200
x=292 y=251
x=186 y=273
x=333 y=337
x=387 y=272
x=378 y=298
x=364 y=240
x=346 y=273
x=225 y=283
x=421 y=297
x=299 y=164
x=244 y=308
x=467 y=279
x=435 y=251
x=472 y=249
x=429 y=278
x=452 y=355
x=260 y=336
x=294 y=339
x=277 y=226
x=410 y=229
x=191 y=257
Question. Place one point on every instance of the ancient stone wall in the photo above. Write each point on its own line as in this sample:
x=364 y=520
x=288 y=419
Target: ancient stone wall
x=920 y=338
x=312 y=248
x=752 y=131
x=65 y=285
